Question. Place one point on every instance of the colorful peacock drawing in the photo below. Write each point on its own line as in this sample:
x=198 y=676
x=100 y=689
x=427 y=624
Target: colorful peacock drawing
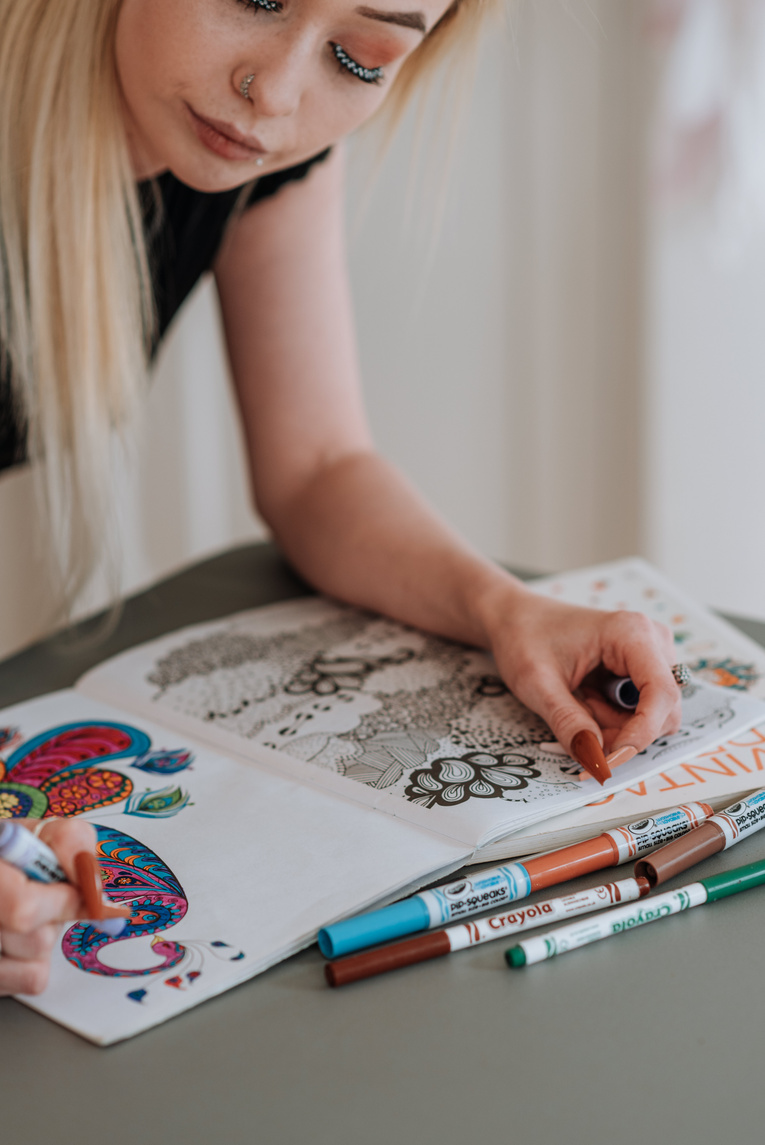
x=137 y=877
x=62 y=773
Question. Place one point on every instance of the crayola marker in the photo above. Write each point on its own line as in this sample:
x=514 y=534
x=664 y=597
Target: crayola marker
x=624 y=918
x=438 y=942
x=499 y=885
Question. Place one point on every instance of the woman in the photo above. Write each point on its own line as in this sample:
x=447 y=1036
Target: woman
x=128 y=129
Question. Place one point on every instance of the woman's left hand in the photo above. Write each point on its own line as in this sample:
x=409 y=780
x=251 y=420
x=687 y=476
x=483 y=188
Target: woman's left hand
x=545 y=649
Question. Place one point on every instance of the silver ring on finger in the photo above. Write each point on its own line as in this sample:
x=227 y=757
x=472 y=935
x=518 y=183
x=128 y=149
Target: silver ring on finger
x=682 y=674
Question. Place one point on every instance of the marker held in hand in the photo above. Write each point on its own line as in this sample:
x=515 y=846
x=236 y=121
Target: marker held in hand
x=108 y=919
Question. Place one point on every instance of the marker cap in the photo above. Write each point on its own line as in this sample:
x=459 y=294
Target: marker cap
x=731 y=882
x=681 y=853
x=515 y=957
x=390 y=922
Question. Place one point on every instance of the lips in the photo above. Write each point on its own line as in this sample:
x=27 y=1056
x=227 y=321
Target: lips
x=224 y=139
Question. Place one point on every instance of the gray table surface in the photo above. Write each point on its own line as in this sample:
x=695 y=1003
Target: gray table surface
x=657 y=1036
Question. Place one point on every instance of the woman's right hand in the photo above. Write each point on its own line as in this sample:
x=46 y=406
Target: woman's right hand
x=31 y=912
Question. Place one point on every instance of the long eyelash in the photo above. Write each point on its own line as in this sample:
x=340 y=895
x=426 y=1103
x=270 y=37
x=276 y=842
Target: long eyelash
x=266 y=5
x=368 y=75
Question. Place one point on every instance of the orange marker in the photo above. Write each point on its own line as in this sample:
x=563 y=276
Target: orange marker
x=509 y=883
x=614 y=847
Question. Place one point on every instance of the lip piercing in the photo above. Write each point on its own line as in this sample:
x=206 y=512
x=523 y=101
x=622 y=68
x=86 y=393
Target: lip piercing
x=244 y=86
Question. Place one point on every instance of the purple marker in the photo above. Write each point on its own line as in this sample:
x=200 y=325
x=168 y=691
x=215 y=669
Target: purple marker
x=23 y=850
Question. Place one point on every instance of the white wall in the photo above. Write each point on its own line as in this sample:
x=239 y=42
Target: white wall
x=551 y=374
x=504 y=377
x=706 y=389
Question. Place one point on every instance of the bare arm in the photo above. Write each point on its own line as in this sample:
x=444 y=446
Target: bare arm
x=350 y=523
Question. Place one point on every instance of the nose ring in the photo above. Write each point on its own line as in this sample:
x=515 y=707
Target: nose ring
x=244 y=86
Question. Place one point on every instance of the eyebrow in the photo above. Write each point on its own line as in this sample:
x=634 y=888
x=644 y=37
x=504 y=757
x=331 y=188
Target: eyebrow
x=414 y=20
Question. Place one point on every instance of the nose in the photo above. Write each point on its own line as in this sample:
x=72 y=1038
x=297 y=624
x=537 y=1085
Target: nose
x=278 y=80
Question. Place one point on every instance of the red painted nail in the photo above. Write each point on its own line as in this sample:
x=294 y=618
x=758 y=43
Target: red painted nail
x=586 y=750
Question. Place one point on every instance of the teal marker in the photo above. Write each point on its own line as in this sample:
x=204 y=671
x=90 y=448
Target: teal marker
x=489 y=890
x=629 y=917
x=485 y=891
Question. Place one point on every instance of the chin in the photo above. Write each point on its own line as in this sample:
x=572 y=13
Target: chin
x=211 y=175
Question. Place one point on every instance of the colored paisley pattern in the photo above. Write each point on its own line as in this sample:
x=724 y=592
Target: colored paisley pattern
x=132 y=874
x=58 y=767
x=60 y=773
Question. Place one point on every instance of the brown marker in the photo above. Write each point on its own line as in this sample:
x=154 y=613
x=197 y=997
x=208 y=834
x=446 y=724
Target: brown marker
x=92 y=889
x=717 y=834
x=586 y=749
x=466 y=934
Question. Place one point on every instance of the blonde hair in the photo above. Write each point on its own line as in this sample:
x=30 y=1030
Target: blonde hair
x=460 y=24
x=75 y=294
x=76 y=305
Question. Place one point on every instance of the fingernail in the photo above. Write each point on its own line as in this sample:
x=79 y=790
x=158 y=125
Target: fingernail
x=111 y=926
x=553 y=747
x=89 y=881
x=92 y=890
x=586 y=750
x=623 y=755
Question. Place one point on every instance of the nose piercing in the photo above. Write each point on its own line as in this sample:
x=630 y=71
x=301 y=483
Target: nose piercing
x=244 y=86
x=258 y=162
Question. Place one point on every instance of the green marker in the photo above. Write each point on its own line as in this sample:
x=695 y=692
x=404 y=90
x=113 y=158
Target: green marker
x=623 y=918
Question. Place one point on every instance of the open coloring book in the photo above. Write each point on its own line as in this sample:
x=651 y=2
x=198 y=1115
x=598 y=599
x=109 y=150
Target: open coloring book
x=256 y=778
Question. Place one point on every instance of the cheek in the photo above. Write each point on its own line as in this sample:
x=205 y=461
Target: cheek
x=341 y=103
x=332 y=113
x=163 y=48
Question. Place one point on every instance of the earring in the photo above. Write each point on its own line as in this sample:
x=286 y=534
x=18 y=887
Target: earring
x=244 y=86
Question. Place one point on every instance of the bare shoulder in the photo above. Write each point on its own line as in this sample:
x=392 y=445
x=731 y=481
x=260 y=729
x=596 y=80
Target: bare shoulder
x=303 y=213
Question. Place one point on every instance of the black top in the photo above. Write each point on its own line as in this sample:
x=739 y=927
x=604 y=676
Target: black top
x=184 y=230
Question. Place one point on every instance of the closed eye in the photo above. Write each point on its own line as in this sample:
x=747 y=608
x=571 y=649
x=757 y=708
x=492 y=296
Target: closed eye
x=265 y=5
x=348 y=64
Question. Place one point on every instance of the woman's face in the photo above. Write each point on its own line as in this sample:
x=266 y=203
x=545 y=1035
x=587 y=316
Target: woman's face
x=319 y=69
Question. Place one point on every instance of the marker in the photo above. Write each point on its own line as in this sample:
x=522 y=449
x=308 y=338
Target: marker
x=23 y=850
x=440 y=942
x=719 y=833
x=619 y=691
x=567 y=938
x=499 y=885
x=29 y=854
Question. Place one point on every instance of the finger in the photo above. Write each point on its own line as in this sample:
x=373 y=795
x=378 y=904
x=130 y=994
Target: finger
x=631 y=633
x=34 y=947
x=573 y=726
x=646 y=659
x=603 y=712
x=19 y=977
x=67 y=837
x=26 y=905
x=646 y=726
x=658 y=713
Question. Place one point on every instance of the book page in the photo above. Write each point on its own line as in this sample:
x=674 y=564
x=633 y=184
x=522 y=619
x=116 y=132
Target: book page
x=414 y=725
x=714 y=650
x=719 y=776
x=227 y=868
